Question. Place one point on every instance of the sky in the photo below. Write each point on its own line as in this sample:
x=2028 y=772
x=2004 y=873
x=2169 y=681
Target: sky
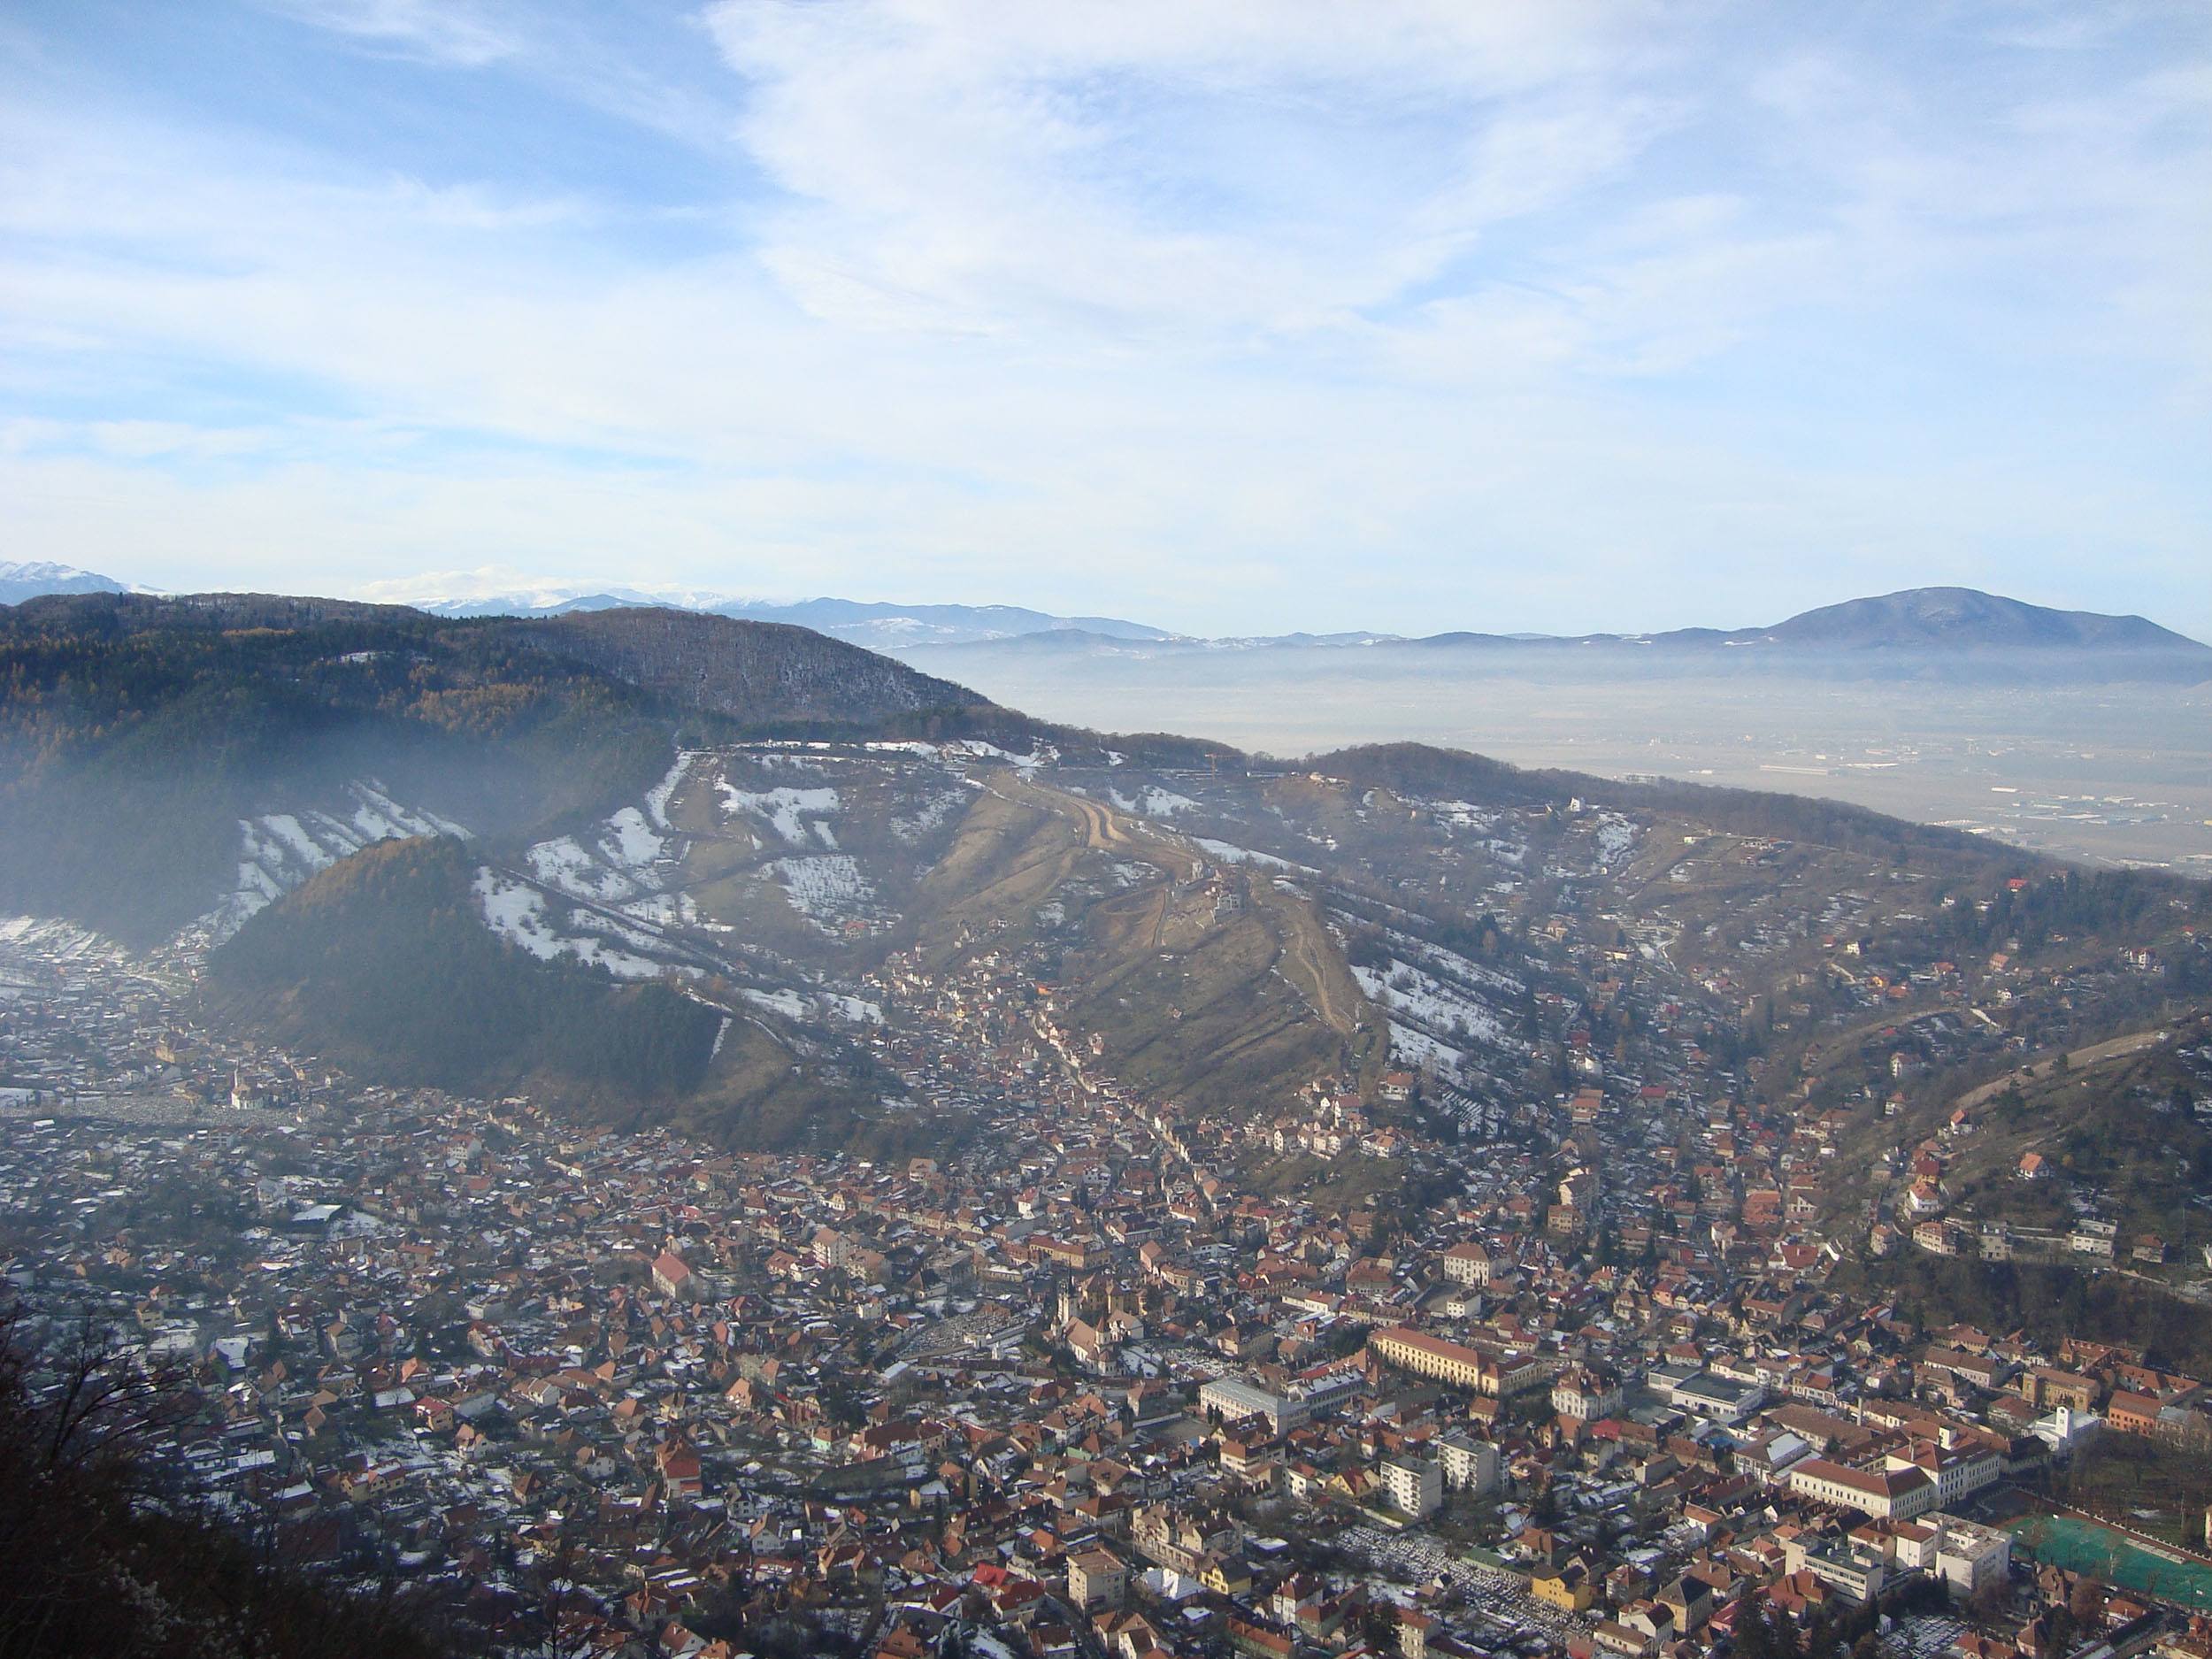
x=1229 y=317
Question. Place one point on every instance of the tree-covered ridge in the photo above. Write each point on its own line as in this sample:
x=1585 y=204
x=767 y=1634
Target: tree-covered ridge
x=83 y=669
x=137 y=734
x=383 y=962
x=760 y=675
x=1421 y=769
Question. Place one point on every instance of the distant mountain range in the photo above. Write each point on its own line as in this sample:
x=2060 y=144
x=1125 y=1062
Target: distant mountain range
x=878 y=626
x=1920 y=621
x=1941 y=632
x=1915 y=620
x=27 y=579
x=1961 y=623
x=1943 y=616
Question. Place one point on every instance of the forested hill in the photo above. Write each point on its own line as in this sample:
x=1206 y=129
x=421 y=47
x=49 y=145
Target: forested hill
x=759 y=674
x=1419 y=769
x=383 y=963
x=85 y=658
x=137 y=734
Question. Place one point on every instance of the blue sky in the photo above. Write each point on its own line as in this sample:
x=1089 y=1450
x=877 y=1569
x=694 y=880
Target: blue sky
x=1231 y=317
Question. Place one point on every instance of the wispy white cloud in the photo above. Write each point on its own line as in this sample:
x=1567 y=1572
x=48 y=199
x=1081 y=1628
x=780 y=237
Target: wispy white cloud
x=1221 y=313
x=1238 y=167
x=441 y=31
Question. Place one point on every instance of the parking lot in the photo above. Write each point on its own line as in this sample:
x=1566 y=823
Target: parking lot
x=1416 y=1558
x=1922 y=1637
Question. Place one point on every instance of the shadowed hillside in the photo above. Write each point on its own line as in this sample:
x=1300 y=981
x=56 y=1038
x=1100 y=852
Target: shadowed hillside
x=382 y=963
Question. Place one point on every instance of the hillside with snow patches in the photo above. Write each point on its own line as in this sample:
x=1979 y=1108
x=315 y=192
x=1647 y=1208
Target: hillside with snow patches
x=773 y=865
x=277 y=851
x=777 y=869
x=624 y=893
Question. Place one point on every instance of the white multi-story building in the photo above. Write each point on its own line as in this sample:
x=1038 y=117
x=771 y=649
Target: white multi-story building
x=1467 y=1265
x=1469 y=1464
x=1959 y=1471
x=1414 y=1485
x=1583 y=1394
x=1971 y=1555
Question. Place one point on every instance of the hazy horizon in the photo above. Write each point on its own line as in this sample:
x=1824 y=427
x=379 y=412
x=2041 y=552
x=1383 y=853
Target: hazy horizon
x=2117 y=773
x=478 y=587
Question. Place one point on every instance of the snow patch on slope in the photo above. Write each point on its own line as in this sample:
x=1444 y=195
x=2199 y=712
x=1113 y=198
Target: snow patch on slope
x=280 y=850
x=1153 y=801
x=1428 y=1013
x=1616 y=840
x=827 y=888
x=617 y=860
x=1232 y=855
x=1414 y=1049
x=51 y=938
x=1043 y=755
x=518 y=913
x=660 y=794
x=816 y=1006
x=787 y=809
x=629 y=839
x=563 y=864
x=379 y=818
x=928 y=814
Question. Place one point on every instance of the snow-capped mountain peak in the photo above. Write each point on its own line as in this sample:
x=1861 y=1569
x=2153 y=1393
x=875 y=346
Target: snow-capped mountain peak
x=27 y=579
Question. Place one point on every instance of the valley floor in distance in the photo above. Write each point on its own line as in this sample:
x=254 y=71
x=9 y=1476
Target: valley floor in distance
x=2117 y=774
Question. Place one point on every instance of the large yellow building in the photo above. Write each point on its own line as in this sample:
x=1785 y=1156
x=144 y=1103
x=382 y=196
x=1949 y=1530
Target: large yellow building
x=1497 y=1373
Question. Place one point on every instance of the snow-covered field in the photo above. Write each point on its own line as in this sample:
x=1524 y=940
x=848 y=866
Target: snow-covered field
x=1615 y=841
x=1230 y=854
x=665 y=910
x=1044 y=755
x=660 y=794
x=1411 y=1046
x=816 y=1006
x=1462 y=814
x=616 y=861
x=518 y=913
x=1152 y=801
x=280 y=850
x=929 y=813
x=629 y=840
x=1451 y=965
x=787 y=810
x=825 y=888
x=1432 y=1018
x=51 y=938
x=789 y=1004
x=564 y=864
x=379 y=817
